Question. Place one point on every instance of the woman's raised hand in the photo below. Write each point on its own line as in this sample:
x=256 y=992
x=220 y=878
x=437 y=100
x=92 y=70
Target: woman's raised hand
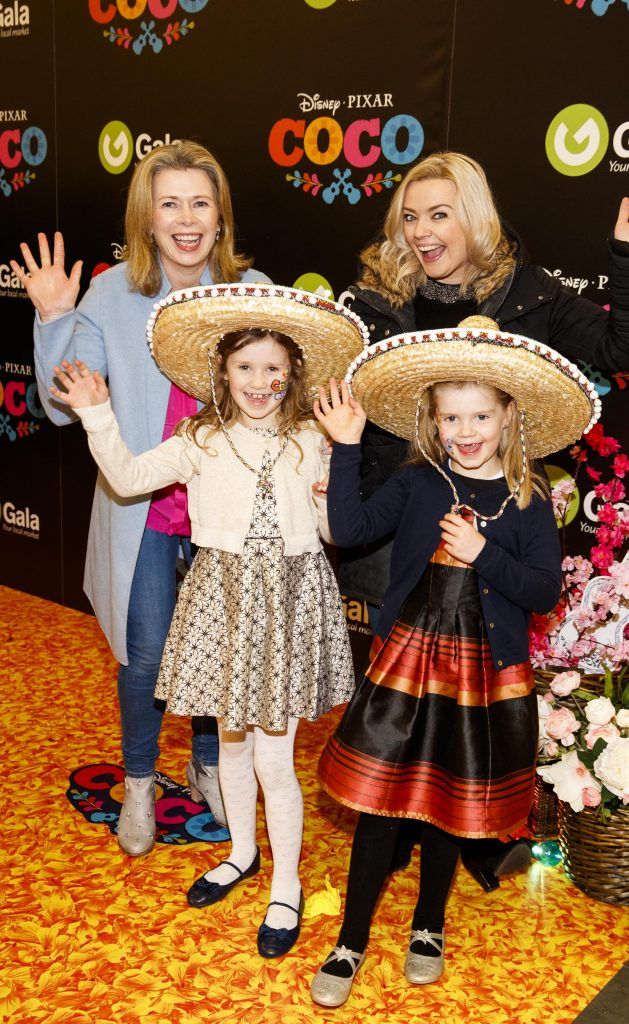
x=621 y=231
x=82 y=387
x=47 y=285
x=343 y=418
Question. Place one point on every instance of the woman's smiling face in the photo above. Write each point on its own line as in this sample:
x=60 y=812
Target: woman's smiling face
x=433 y=230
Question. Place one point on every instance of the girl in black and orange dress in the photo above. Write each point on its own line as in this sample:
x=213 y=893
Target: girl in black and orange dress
x=443 y=725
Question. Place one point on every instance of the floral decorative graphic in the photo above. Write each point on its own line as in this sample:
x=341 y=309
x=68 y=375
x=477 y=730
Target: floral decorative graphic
x=376 y=182
x=308 y=182
x=19 y=180
x=147 y=36
x=598 y=7
x=342 y=184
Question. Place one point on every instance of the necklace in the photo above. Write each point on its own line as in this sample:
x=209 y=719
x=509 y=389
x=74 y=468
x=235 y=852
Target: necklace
x=448 y=293
x=264 y=475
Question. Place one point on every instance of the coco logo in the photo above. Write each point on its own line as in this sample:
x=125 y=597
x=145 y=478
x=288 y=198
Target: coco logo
x=116 y=147
x=577 y=140
x=165 y=22
x=360 y=145
x=20 y=408
x=21 y=149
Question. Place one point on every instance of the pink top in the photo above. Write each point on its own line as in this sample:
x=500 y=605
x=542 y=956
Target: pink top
x=169 y=508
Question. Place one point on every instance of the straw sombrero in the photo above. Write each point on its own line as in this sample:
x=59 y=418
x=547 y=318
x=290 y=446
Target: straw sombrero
x=559 y=404
x=185 y=328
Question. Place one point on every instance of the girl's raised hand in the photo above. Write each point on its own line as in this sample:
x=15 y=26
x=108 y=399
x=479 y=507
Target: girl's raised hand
x=621 y=231
x=48 y=287
x=83 y=388
x=460 y=538
x=343 y=418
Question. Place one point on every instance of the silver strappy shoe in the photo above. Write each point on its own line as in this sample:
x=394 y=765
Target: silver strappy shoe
x=420 y=969
x=328 y=989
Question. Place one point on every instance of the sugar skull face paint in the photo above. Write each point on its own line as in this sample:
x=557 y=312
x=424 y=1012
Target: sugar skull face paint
x=279 y=386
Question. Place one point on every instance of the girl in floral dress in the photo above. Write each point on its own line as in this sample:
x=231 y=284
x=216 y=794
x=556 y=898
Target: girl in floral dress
x=258 y=637
x=443 y=725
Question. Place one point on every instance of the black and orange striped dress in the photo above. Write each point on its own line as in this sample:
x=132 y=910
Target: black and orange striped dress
x=433 y=730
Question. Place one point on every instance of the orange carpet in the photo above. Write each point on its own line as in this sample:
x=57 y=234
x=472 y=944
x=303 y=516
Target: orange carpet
x=91 y=936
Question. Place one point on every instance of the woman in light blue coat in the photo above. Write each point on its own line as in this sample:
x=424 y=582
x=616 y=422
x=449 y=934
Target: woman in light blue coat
x=179 y=233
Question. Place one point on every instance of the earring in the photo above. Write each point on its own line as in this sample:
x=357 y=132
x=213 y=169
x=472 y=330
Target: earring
x=218 y=234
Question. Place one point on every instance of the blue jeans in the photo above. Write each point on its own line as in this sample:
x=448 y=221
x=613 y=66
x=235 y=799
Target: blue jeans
x=151 y=606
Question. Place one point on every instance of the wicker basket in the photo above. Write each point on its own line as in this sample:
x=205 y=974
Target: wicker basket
x=543 y=819
x=596 y=856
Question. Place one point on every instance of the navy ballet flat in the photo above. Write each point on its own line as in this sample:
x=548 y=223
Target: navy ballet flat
x=203 y=893
x=274 y=942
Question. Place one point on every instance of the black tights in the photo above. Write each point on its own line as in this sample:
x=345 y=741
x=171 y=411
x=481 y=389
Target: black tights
x=372 y=852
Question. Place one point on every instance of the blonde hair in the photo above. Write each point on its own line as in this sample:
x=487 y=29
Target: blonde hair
x=294 y=407
x=428 y=443
x=474 y=208
x=141 y=252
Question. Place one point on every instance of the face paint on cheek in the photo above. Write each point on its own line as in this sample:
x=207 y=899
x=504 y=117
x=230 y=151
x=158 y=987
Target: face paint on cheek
x=447 y=443
x=279 y=387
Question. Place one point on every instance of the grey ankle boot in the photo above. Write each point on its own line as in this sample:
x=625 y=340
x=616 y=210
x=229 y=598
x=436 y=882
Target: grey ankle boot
x=136 y=827
x=204 y=785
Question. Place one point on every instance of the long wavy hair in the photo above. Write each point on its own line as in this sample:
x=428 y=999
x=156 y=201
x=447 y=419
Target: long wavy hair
x=141 y=252
x=509 y=448
x=293 y=410
x=488 y=250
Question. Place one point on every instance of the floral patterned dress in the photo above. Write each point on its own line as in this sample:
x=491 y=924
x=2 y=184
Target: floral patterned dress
x=257 y=637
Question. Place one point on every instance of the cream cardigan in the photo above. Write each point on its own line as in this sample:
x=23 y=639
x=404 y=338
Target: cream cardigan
x=220 y=489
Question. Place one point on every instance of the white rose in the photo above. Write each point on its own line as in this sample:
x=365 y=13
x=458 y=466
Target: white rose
x=612 y=768
x=622 y=719
x=600 y=711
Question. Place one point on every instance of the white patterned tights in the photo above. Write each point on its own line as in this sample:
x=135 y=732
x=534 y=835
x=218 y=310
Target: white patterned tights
x=269 y=756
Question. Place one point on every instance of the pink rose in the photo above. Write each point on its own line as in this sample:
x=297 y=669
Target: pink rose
x=590 y=796
x=596 y=732
x=564 y=683
x=561 y=724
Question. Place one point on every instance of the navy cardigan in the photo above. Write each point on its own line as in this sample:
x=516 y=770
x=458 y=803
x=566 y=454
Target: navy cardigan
x=518 y=570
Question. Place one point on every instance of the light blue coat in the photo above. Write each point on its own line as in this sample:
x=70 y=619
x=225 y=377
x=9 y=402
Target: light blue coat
x=108 y=332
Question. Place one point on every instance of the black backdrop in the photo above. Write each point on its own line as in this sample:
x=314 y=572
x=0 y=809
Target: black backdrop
x=314 y=108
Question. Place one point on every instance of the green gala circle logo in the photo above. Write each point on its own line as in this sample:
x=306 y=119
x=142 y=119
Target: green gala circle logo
x=320 y=5
x=577 y=139
x=556 y=474
x=316 y=284
x=115 y=147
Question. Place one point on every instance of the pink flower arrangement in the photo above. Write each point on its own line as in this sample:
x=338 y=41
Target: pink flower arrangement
x=586 y=736
x=572 y=635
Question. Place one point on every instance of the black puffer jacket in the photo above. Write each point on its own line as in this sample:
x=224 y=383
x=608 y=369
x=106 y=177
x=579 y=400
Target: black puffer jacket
x=528 y=302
